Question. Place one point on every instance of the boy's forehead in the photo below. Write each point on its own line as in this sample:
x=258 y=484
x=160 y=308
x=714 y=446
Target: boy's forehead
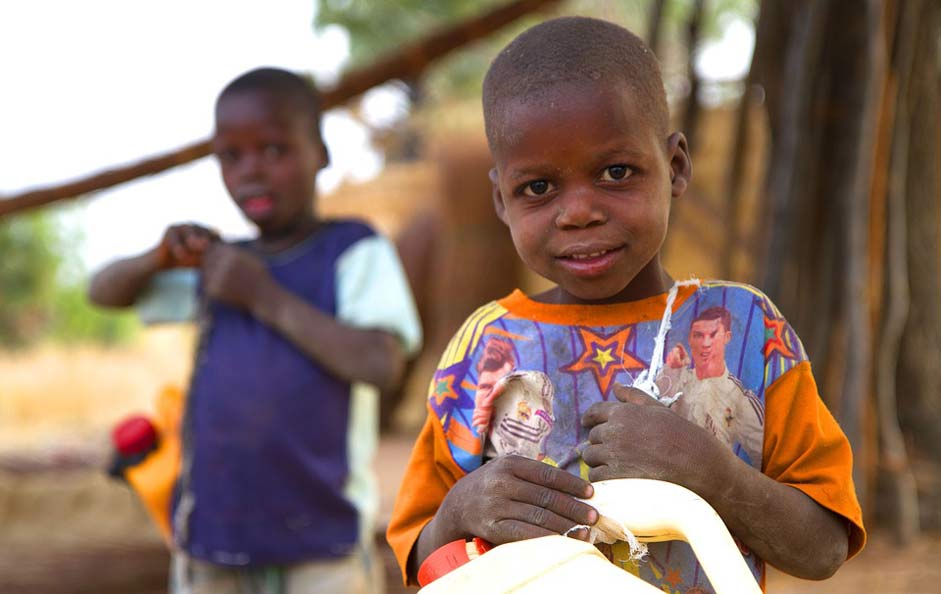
x=513 y=118
x=257 y=106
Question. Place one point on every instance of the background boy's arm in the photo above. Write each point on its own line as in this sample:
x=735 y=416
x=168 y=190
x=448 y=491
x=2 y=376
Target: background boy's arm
x=237 y=277
x=640 y=438
x=120 y=283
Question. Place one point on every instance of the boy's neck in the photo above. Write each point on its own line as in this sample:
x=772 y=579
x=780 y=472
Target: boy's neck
x=273 y=242
x=652 y=281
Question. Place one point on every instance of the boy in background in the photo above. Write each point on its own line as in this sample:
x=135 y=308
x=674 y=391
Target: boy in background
x=585 y=174
x=299 y=327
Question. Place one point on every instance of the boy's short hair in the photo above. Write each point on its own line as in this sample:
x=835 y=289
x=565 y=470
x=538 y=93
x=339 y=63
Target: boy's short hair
x=297 y=92
x=573 y=50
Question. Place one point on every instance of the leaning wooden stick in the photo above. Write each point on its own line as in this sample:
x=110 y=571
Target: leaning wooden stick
x=407 y=64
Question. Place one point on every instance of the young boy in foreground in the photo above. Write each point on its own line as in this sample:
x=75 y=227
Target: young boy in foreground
x=298 y=327
x=585 y=175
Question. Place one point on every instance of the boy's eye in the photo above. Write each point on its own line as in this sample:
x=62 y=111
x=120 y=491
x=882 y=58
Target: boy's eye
x=615 y=173
x=537 y=188
x=227 y=155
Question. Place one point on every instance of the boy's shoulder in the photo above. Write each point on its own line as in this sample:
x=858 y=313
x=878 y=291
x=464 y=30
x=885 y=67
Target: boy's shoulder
x=352 y=229
x=740 y=299
x=742 y=290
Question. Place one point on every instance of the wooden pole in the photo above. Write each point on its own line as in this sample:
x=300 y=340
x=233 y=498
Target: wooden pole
x=407 y=63
x=654 y=25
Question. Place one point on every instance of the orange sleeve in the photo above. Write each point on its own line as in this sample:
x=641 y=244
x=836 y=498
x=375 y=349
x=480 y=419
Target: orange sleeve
x=805 y=448
x=429 y=475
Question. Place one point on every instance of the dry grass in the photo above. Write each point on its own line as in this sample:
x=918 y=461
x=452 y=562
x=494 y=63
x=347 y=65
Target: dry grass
x=55 y=395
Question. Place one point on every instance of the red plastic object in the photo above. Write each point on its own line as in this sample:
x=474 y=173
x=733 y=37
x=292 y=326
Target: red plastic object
x=134 y=435
x=449 y=557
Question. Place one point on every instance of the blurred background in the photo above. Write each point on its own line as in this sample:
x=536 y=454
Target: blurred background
x=814 y=127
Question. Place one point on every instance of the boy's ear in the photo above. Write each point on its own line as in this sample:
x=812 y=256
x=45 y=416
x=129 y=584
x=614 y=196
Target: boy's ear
x=324 y=156
x=497 y=196
x=681 y=166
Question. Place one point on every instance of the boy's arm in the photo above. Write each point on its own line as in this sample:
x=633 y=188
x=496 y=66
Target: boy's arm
x=120 y=283
x=508 y=499
x=238 y=278
x=780 y=523
x=353 y=354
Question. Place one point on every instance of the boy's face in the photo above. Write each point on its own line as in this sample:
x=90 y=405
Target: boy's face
x=269 y=158
x=584 y=182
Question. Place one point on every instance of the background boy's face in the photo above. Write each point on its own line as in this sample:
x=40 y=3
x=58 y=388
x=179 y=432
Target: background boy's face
x=583 y=180
x=269 y=158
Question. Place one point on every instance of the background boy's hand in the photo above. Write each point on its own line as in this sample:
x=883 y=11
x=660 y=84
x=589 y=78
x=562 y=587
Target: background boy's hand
x=183 y=246
x=637 y=437
x=514 y=498
x=233 y=275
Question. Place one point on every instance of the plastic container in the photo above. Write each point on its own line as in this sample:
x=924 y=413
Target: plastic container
x=651 y=510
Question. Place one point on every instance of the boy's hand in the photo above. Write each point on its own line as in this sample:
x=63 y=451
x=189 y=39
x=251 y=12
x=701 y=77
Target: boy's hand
x=183 y=246
x=637 y=437
x=233 y=275
x=514 y=498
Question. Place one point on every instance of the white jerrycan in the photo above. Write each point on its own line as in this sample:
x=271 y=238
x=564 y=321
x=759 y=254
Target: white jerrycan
x=651 y=510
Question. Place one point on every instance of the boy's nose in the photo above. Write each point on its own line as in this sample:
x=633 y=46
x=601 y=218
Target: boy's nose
x=251 y=167
x=579 y=208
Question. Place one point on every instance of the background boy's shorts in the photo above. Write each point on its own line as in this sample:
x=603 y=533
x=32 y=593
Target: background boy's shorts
x=359 y=573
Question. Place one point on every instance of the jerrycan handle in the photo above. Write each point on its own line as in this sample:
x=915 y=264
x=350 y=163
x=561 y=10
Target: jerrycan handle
x=656 y=511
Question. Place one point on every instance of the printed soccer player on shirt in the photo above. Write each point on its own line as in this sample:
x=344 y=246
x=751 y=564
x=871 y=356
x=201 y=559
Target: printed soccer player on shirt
x=710 y=395
x=513 y=409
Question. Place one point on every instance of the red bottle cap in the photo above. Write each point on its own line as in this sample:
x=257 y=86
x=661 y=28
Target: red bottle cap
x=134 y=435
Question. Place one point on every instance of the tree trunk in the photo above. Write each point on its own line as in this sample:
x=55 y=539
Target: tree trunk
x=655 y=25
x=895 y=471
x=823 y=74
x=919 y=374
x=691 y=115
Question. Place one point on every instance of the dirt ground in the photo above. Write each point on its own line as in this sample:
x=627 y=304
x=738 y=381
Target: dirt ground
x=881 y=568
x=73 y=531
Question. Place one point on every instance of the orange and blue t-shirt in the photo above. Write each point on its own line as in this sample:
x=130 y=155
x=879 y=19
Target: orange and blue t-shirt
x=764 y=404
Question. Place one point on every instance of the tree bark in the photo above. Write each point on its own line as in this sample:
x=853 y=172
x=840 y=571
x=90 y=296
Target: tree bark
x=902 y=500
x=691 y=115
x=655 y=25
x=919 y=375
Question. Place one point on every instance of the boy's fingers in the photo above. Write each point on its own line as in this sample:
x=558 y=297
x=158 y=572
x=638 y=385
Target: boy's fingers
x=603 y=472
x=550 y=477
x=596 y=456
x=543 y=518
x=631 y=395
x=596 y=435
x=508 y=530
x=598 y=413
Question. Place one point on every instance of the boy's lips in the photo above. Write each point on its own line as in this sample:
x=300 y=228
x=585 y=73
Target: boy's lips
x=590 y=261
x=257 y=206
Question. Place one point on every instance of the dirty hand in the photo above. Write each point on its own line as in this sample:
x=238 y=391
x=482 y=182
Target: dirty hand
x=182 y=246
x=514 y=498
x=233 y=275
x=638 y=437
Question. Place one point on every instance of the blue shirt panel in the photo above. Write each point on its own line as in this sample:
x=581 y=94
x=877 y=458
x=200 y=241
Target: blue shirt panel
x=267 y=427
